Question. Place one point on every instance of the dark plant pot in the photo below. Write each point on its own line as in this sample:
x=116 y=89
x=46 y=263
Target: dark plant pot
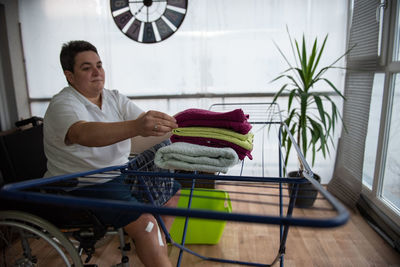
x=307 y=194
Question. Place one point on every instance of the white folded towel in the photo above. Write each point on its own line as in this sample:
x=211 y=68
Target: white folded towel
x=191 y=157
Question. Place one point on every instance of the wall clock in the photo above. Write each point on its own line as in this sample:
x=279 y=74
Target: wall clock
x=148 y=21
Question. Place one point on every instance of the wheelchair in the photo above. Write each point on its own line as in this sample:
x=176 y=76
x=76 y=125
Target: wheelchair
x=44 y=235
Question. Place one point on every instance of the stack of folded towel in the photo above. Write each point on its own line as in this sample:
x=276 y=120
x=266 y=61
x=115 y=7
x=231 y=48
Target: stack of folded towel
x=207 y=141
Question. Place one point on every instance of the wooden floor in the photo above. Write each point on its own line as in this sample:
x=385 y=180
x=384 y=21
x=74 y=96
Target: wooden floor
x=354 y=244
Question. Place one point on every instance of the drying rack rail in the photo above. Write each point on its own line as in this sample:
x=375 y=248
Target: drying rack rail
x=268 y=196
x=40 y=190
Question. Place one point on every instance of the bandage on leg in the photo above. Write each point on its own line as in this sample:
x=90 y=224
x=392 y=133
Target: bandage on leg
x=148 y=229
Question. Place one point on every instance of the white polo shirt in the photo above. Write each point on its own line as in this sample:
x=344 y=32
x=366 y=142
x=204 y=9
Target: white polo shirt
x=68 y=107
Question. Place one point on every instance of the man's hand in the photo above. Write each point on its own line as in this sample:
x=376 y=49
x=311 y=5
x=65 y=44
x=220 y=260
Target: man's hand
x=155 y=123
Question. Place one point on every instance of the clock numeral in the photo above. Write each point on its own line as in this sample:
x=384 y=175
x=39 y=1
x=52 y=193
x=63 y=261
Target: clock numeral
x=178 y=3
x=148 y=33
x=122 y=19
x=134 y=29
x=174 y=17
x=118 y=4
x=164 y=30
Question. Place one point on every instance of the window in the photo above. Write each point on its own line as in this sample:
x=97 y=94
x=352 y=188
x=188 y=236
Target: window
x=371 y=141
x=391 y=175
x=366 y=173
x=396 y=42
x=381 y=165
x=223 y=47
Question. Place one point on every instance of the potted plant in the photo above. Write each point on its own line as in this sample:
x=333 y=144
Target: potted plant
x=308 y=120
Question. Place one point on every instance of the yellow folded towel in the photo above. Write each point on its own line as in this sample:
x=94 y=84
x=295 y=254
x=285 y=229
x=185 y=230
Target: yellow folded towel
x=243 y=140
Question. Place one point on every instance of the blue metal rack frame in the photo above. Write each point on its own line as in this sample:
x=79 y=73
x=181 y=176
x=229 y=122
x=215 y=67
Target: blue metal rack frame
x=37 y=191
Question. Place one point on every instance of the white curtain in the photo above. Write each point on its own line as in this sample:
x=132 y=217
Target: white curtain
x=222 y=46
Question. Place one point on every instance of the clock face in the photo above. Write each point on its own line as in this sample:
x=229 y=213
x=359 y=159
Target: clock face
x=148 y=21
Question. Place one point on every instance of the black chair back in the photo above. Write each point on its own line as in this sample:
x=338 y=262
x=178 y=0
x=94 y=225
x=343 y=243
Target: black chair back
x=21 y=152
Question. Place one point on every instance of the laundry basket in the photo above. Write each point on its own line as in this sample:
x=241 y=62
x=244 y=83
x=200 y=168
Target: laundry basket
x=201 y=231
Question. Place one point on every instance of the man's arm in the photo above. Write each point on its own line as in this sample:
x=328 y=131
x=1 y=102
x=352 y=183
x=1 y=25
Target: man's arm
x=96 y=134
x=140 y=143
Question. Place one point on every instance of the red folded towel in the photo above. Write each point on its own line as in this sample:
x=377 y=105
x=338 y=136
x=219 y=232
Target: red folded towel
x=235 y=120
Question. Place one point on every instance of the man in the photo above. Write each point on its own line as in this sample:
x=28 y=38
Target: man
x=88 y=127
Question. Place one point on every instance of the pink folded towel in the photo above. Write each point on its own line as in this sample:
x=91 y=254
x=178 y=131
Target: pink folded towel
x=235 y=120
x=211 y=142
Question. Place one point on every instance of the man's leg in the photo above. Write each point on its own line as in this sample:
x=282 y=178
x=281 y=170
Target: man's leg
x=151 y=250
x=171 y=203
x=160 y=188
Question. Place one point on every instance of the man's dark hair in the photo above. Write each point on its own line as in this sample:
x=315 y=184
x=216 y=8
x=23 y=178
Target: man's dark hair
x=69 y=51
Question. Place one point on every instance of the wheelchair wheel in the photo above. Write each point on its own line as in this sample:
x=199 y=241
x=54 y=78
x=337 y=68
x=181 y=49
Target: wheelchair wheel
x=27 y=240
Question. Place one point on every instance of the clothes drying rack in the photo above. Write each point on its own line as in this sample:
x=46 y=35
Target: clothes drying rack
x=276 y=204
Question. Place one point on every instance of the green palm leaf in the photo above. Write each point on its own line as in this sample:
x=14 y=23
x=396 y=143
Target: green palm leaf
x=310 y=120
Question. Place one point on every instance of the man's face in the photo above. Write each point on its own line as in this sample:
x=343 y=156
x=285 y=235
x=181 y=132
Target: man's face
x=88 y=76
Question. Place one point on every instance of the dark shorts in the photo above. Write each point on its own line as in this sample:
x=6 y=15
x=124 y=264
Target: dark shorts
x=130 y=189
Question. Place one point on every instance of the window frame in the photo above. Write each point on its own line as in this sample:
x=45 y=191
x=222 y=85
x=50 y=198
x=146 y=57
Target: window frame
x=390 y=68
